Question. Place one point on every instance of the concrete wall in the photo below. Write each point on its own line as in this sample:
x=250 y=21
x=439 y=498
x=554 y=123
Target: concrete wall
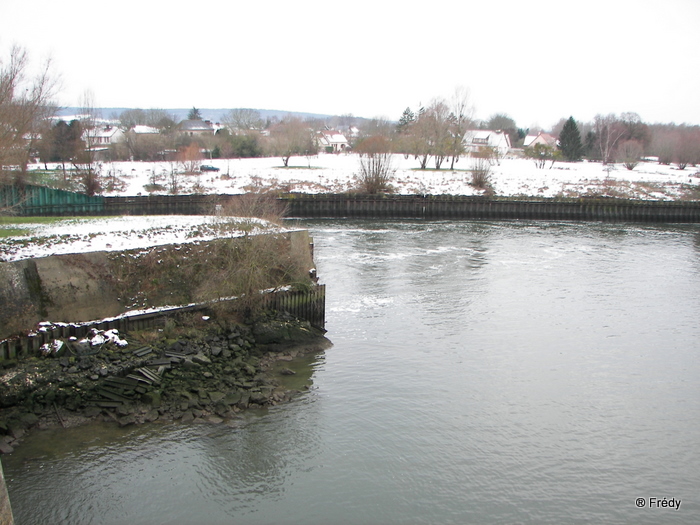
x=89 y=286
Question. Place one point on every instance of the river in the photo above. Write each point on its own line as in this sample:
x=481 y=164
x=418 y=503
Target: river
x=482 y=372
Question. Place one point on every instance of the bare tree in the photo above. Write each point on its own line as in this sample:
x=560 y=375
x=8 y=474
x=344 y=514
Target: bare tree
x=609 y=130
x=430 y=135
x=24 y=104
x=190 y=158
x=629 y=152
x=85 y=161
x=462 y=120
x=243 y=119
x=291 y=137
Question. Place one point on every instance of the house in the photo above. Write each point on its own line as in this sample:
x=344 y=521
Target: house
x=102 y=135
x=332 y=141
x=196 y=127
x=476 y=139
x=540 y=138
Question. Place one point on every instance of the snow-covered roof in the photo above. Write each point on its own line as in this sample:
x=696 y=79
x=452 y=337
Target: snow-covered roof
x=140 y=129
x=105 y=132
x=333 y=137
x=487 y=137
x=196 y=126
x=539 y=138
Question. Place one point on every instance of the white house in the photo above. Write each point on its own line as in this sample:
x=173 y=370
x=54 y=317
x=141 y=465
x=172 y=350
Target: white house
x=332 y=140
x=475 y=139
x=540 y=138
x=103 y=135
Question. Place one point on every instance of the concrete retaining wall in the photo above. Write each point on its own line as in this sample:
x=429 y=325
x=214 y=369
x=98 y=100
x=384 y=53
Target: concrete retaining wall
x=87 y=286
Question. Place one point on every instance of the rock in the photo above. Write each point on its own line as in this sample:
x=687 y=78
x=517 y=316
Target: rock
x=126 y=420
x=16 y=430
x=189 y=363
x=232 y=398
x=222 y=410
x=201 y=359
x=187 y=416
x=258 y=398
x=151 y=416
x=243 y=402
x=92 y=412
x=216 y=350
x=29 y=420
x=5 y=448
x=216 y=396
x=152 y=398
x=124 y=410
x=287 y=372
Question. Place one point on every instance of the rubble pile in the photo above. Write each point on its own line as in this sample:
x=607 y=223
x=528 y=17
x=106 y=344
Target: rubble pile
x=138 y=378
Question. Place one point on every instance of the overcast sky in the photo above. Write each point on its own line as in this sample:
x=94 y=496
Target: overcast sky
x=535 y=61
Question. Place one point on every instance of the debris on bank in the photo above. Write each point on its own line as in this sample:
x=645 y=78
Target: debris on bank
x=186 y=375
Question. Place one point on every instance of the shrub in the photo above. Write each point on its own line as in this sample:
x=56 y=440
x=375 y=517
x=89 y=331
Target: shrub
x=376 y=170
x=481 y=173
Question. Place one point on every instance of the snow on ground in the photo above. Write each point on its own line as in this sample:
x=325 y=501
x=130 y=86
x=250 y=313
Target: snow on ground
x=331 y=173
x=119 y=233
x=325 y=173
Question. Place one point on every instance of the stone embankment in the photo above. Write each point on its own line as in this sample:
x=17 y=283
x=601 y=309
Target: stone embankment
x=183 y=374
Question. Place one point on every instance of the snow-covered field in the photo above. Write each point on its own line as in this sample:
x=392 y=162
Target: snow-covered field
x=337 y=173
x=119 y=233
x=319 y=174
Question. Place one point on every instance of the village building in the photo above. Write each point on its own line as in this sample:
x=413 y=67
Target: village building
x=332 y=141
x=478 y=139
x=540 y=138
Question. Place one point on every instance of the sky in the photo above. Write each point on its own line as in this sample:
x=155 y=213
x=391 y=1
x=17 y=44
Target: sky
x=537 y=62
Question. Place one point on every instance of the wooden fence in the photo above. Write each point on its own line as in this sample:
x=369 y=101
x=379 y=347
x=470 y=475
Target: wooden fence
x=308 y=305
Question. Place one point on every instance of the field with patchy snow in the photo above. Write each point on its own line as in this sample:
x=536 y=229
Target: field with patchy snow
x=325 y=173
x=329 y=173
x=39 y=239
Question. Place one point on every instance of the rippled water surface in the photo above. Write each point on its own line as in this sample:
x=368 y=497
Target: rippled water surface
x=500 y=372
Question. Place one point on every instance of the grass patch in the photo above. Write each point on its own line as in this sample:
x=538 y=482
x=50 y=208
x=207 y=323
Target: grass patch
x=12 y=219
x=13 y=232
x=11 y=226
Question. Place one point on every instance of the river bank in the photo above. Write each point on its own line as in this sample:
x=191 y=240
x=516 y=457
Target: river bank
x=201 y=371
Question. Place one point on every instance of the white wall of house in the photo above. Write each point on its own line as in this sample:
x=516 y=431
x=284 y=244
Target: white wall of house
x=480 y=138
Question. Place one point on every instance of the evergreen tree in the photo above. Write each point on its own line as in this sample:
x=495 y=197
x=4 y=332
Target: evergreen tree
x=570 y=141
x=407 y=118
x=194 y=114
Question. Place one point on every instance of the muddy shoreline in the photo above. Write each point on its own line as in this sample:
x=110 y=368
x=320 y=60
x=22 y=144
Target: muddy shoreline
x=201 y=373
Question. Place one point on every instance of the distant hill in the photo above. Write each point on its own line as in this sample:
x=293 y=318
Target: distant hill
x=215 y=115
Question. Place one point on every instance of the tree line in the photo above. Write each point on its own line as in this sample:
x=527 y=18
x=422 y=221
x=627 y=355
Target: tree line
x=434 y=134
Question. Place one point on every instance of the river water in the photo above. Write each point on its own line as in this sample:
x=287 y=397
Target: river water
x=482 y=372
